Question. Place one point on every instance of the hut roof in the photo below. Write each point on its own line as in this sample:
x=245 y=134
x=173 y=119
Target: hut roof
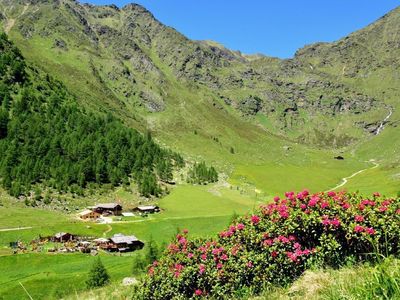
x=147 y=207
x=123 y=239
x=85 y=212
x=108 y=205
x=61 y=234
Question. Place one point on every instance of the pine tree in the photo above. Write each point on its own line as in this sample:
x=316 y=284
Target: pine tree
x=98 y=275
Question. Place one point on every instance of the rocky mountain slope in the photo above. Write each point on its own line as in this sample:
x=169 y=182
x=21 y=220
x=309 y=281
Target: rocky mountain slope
x=150 y=75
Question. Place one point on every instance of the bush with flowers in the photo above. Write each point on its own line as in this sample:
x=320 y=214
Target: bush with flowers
x=275 y=245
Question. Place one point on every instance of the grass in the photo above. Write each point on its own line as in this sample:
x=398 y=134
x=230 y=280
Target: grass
x=381 y=281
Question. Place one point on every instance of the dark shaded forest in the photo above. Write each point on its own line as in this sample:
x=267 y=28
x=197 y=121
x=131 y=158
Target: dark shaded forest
x=45 y=137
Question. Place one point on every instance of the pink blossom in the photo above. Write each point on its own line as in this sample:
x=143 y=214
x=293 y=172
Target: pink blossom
x=185 y=231
x=324 y=204
x=284 y=214
x=297 y=246
x=255 y=219
x=359 y=218
x=249 y=264
x=303 y=206
x=335 y=222
x=182 y=241
x=345 y=205
x=358 y=228
x=326 y=222
x=268 y=242
x=190 y=255
x=224 y=257
x=240 y=226
x=219 y=266
x=276 y=199
x=198 y=292
x=370 y=231
x=376 y=194
x=386 y=203
x=398 y=211
x=202 y=268
x=203 y=256
x=383 y=208
x=274 y=254
x=313 y=201
x=331 y=194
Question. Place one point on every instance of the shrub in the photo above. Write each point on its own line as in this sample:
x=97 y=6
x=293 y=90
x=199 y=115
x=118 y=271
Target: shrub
x=98 y=275
x=275 y=245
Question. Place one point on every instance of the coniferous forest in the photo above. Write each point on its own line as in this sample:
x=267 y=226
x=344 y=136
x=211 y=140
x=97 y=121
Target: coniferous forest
x=46 y=138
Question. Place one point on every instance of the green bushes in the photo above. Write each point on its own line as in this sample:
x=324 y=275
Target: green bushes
x=98 y=275
x=201 y=174
x=275 y=245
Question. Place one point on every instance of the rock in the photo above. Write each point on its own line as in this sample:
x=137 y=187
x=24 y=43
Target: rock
x=129 y=281
x=60 y=43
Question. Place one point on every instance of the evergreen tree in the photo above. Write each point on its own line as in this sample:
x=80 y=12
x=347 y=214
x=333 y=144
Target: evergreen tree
x=98 y=275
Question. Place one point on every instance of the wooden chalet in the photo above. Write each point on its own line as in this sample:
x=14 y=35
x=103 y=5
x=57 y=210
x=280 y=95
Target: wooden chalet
x=89 y=215
x=62 y=237
x=108 y=208
x=147 y=209
x=123 y=243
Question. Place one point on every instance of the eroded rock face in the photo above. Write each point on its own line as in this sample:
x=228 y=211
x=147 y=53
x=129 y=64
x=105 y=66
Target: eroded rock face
x=152 y=101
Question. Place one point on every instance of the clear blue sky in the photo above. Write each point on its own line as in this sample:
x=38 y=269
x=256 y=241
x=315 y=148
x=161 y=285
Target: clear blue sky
x=272 y=27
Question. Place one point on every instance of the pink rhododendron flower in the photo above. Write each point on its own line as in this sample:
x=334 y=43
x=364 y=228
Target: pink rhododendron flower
x=376 y=194
x=255 y=219
x=219 y=266
x=268 y=242
x=185 y=231
x=398 y=211
x=240 y=226
x=274 y=254
x=303 y=206
x=249 y=264
x=359 y=218
x=313 y=201
x=358 y=228
x=331 y=194
x=203 y=256
x=190 y=255
x=335 y=222
x=324 y=204
x=346 y=206
x=198 y=292
x=370 y=231
x=383 y=208
x=202 y=268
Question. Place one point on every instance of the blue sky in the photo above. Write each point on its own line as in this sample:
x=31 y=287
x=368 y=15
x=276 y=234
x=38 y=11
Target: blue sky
x=271 y=27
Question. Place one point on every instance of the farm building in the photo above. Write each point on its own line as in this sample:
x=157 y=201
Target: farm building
x=125 y=243
x=108 y=208
x=89 y=215
x=61 y=237
x=149 y=209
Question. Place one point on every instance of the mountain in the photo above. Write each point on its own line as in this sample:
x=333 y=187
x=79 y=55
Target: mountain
x=125 y=61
